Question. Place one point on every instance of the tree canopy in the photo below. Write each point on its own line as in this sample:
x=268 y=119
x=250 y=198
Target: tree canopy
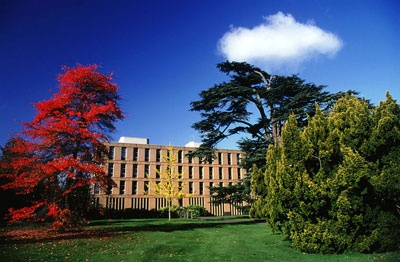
x=61 y=151
x=334 y=185
x=254 y=104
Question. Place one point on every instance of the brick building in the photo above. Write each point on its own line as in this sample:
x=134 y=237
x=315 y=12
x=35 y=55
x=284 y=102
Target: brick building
x=131 y=159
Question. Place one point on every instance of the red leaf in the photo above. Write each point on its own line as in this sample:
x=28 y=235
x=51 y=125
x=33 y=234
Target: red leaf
x=61 y=150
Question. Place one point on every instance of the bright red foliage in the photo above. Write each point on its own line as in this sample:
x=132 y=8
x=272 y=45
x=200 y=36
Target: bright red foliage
x=59 y=154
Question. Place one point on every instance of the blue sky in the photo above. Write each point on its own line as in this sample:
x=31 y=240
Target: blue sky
x=163 y=53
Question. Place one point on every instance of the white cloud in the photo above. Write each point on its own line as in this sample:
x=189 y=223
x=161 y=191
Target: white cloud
x=279 y=43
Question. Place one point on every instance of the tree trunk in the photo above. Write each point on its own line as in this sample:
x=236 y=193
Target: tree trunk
x=274 y=124
x=169 y=210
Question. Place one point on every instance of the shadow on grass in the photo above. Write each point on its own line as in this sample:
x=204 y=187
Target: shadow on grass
x=110 y=228
x=187 y=225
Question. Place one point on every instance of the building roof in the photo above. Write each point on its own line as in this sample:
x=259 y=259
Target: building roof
x=193 y=144
x=133 y=140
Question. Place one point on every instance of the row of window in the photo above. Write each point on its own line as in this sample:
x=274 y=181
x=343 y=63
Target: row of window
x=147 y=152
x=145 y=188
x=135 y=171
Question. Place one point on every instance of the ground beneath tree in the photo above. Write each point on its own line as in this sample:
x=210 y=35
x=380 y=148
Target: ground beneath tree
x=41 y=234
x=44 y=234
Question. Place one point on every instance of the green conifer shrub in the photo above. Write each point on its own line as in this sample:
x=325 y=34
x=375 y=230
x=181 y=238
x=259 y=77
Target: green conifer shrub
x=334 y=185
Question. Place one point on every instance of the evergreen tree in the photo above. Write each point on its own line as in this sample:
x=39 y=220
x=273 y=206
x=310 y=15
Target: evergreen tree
x=384 y=153
x=255 y=105
x=237 y=195
x=330 y=186
x=259 y=188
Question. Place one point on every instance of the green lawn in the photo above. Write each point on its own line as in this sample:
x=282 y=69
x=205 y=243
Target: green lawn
x=228 y=239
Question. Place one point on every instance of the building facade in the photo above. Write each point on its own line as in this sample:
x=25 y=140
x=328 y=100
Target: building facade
x=133 y=160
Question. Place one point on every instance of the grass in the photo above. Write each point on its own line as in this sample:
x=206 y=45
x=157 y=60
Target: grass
x=219 y=239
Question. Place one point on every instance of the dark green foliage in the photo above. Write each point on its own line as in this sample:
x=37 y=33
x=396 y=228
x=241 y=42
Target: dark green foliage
x=197 y=211
x=334 y=186
x=255 y=151
x=166 y=213
x=191 y=211
x=246 y=105
x=254 y=105
x=238 y=195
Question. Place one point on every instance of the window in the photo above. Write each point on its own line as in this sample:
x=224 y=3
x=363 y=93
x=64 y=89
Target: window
x=220 y=158
x=201 y=172
x=158 y=167
x=135 y=170
x=96 y=188
x=180 y=169
x=147 y=154
x=158 y=155
x=221 y=184
x=230 y=173
x=168 y=155
x=135 y=154
x=211 y=184
x=238 y=158
x=147 y=170
x=201 y=188
x=146 y=187
x=239 y=171
x=123 y=170
x=110 y=169
x=123 y=153
x=221 y=175
x=191 y=172
x=134 y=187
x=211 y=172
x=111 y=152
x=190 y=157
x=122 y=187
x=190 y=187
x=229 y=159
x=109 y=190
x=180 y=156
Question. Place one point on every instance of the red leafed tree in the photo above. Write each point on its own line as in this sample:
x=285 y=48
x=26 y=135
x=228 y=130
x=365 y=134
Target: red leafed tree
x=58 y=156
